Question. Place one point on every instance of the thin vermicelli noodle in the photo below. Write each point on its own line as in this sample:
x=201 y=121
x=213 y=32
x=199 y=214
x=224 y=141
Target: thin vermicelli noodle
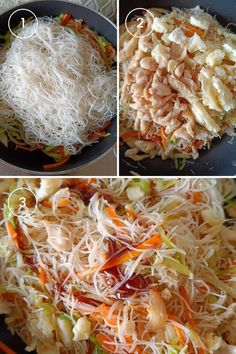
x=121 y=265
x=56 y=87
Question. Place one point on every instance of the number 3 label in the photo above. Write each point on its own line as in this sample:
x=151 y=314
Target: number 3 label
x=22 y=203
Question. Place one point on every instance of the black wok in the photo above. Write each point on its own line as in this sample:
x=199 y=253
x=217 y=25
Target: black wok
x=33 y=161
x=221 y=158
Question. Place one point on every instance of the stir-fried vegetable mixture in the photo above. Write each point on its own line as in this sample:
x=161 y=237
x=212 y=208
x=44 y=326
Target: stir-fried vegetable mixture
x=120 y=265
x=177 y=83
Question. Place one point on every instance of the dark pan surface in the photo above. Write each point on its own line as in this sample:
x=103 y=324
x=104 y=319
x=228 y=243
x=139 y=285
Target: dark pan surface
x=13 y=342
x=33 y=161
x=221 y=158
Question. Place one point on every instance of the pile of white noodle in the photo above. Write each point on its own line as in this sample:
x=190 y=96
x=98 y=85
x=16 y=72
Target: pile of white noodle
x=57 y=86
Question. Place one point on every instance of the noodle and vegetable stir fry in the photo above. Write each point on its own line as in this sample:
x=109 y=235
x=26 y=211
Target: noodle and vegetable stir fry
x=57 y=87
x=177 y=83
x=120 y=265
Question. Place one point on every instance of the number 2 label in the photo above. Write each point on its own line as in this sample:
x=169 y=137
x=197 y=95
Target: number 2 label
x=141 y=20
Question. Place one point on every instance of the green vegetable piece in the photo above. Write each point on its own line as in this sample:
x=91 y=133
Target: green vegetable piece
x=143 y=183
x=176 y=265
x=10 y=217
x=102 y=42
x=65 y=316
x=4 y=139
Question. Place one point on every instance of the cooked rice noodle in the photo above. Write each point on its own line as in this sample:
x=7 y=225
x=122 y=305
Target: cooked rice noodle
x=57 y=86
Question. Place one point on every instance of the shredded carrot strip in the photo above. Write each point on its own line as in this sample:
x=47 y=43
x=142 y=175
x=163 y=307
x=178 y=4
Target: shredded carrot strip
x=113 y=215
x=13 y=234
x=6 y=349
x=60 y=163
x=128 y=340
x=128 y=135
x=190 y=30
x=105 y=125
x=76 y=26
x=189 y=315
x=163 y=137
x=177 y=22
x=65 y=19
x=104 y=310
x=42 y=276
x=61 y=203
x=179 y=331
x=196 y=197
x=126 y=254
x=138 y=350
x=200 y=351
x=141 y=310
x=104 y=340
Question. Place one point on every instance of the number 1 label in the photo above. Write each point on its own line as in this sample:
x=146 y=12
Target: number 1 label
x=23 y=22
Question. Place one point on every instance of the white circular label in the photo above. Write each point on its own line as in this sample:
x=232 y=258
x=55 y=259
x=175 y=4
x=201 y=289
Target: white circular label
x=140 y=22
x=22 y=202
x=22 y=23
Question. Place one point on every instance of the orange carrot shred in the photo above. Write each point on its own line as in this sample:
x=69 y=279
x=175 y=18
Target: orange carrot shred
x=190 y=30
x=126 y=254
x=196 y=197
x=163 y=137
x=200 y=351
x=113 y=215
x=42 y=275
x=104 y=340
x=65 y=19
x=131 y=134
x=6 y=349
x=60 y=163
x=179 y=331
x=13 y=234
